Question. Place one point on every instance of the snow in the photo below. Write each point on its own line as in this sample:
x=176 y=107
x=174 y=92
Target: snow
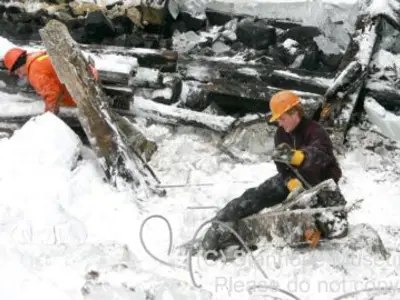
x=184 y=42
x=290 y=45
x=388 y=122
x=60 y=220
x=319 y=80
x=113 y=62
x=383 y=7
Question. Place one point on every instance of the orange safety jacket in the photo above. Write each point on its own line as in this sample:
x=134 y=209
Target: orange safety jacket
x=43 y=78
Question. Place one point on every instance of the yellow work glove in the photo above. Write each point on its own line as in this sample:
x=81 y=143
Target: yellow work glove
x=295 y=188
x=286 y=154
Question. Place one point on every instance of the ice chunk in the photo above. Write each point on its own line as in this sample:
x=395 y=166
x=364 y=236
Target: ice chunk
x=220 y=47
x=386 y=121
x=326 y=45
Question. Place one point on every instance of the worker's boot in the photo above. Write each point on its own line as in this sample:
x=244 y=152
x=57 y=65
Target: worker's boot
x=217 y=238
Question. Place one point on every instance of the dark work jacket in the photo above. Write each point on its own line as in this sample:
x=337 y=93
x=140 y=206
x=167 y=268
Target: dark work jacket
x=319 y=163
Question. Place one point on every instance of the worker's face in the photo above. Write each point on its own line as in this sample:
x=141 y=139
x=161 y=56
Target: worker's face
x=289 y=121
x=20 y=72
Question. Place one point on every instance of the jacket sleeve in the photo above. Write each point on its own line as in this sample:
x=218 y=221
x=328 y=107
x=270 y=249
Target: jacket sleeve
x=318 y=152
x=285 y=172
x=49 y=89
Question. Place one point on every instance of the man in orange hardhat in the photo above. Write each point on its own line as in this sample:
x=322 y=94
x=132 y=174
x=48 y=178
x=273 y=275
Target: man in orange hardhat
x=41 y=75
x=302 y=146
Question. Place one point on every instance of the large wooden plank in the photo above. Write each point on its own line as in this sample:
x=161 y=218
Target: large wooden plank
x=121 y=165
x=344 y=94
x=268 y=73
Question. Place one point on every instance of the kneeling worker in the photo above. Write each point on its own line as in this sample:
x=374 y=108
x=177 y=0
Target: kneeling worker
x=300 y=144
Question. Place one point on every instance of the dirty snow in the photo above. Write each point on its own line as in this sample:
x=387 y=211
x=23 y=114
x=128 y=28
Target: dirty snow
x=60 y=220
x=64 y=207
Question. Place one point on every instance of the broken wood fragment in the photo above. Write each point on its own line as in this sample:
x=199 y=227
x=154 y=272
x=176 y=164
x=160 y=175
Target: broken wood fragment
x=121 y=165
x=241 y=98
x=386 y=95
x=321 y=208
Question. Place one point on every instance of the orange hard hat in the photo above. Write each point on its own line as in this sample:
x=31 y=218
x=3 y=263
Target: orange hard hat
x=11 y=57
x=281 y=102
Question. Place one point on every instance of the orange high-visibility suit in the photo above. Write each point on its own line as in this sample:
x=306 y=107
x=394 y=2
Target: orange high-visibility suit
x=43 y=78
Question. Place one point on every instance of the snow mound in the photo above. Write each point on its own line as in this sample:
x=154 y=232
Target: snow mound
x=43 y=142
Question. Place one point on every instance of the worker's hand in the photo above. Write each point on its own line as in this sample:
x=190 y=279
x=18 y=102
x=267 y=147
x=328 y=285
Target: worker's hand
x=295 y=188
x=286 y=154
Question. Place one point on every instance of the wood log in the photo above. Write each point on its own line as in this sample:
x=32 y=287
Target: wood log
x=163 y=60
x=345 y=92
x=146 y=78
x=386 y=95
x=115 y=78
x=270 y=73
x=120 y=96
x=321 y=208
x=121 y=165
x=179 y=116
x=235 y=97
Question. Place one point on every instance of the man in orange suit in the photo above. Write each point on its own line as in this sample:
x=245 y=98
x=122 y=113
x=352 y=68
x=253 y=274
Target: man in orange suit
x=41 y=75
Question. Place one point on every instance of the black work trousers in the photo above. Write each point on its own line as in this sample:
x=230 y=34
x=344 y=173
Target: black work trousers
x=269 y=193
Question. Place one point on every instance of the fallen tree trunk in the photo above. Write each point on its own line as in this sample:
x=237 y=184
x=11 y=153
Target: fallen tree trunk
x=271 y=73
x=320 y=208
x=343 y=95
x=235 y=97
x=387 y=96
x=121 y=165
x=179 y=116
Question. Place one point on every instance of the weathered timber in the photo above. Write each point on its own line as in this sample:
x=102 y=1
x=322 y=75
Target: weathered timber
x=163 y=60
x=236 y=97
x=120 y=96
x=386 y=95
x=121 y=165
x=268 y=73
x=321 y=207
x=179 y=116
x=116 y=78
x=345 y=92
x=19 y=120
x=147 y=78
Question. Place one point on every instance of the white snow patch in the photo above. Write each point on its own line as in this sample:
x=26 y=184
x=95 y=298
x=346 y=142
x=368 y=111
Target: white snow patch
x=184 y=42
x=326 y=45
x=387 y=122
x=383 y=7
x=165 y=93
x=113 y=62
x=290 y=45
x=248 y=71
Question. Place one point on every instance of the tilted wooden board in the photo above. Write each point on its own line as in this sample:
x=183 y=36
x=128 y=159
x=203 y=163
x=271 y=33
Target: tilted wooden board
x=121 y=165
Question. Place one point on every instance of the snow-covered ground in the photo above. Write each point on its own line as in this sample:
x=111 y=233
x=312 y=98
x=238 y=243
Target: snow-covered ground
x=66 y=234
x=60 y=221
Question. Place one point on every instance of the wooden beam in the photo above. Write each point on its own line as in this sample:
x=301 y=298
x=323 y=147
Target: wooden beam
x=121 y=165
x=345 y=92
